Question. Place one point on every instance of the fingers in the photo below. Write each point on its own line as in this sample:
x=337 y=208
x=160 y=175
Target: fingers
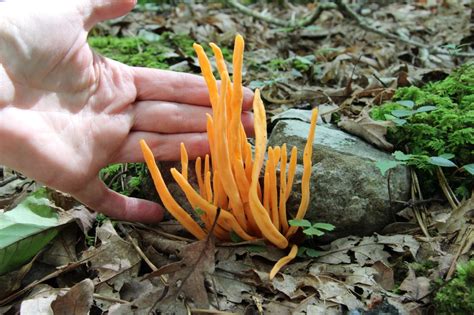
x=165 y=147
x=168 y=117
x=100 y=10
x=178 y=87
x=98 y=197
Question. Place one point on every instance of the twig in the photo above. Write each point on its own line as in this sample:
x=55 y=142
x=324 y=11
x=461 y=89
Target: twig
x=292 y=23
x=8 y=180
x=411 y=203
x=99 y=297
x=260 y=16
x=158 y=231
x=465 y=236
x=448 y=192
x=362 y=23
x=343 y=8
x=52 y=275
x=137 y=248
x=419 y=213
x=321 y=7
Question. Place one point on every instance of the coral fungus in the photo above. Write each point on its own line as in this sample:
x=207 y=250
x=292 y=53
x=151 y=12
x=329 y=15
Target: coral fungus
x=230 y=180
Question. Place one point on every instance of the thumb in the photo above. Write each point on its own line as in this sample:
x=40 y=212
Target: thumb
x=101 y=10
x=99 y=197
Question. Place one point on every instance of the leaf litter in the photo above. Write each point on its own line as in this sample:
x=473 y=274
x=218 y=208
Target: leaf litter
x=333 y=64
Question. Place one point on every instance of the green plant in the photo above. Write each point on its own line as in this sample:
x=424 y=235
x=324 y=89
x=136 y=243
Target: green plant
x=435 y=125
x=420 y=161
x=308 y=252
x=312 y=229
x=457 y=295
x=126 y=179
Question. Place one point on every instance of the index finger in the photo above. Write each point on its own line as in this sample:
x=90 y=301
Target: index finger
x=178 y=87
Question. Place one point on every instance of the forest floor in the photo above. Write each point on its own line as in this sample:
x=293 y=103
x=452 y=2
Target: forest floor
x=337 y=63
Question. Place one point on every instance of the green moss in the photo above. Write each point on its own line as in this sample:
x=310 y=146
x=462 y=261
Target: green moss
x=132 y=51
x=135 y=51
x=126 y=179
x=446 y=128
x=423 y=268
x=457 y=296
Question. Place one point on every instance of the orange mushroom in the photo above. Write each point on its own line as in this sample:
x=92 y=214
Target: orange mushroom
x=230 y=179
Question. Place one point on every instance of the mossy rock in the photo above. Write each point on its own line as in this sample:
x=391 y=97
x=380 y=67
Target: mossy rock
x=446 y=127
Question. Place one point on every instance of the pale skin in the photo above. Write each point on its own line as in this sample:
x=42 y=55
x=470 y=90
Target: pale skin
x=66 y=112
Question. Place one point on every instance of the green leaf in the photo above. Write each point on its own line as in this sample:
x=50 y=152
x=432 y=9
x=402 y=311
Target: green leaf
x=26 y=229
x=399 y=113
x=312 y=253
x=397 y=121
x=311 y=231
x=386 y=165
x=305 y=60
x=469 y=168
x=440 y=161
x=301 y=251
x=399 y=155
x=424 y=109
x=407 y=103
x=256 y=84
x=324 y=226
x=301 y=222
x=448 y=156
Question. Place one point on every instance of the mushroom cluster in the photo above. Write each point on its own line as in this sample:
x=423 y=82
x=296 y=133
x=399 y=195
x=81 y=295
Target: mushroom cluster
x=229 y=180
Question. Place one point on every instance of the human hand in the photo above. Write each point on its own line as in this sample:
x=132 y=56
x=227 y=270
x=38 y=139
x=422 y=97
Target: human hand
x=66 y=112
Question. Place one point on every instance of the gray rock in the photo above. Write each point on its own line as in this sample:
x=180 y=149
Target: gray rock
x=347 y=189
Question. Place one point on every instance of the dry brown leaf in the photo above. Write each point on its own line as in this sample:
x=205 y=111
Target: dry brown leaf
x=113 y=257
x=77 y=301
x=369 y=250
x=400 y=243
x=63 y=249
x=188 y=275
x=416 y=287
x=230 y=288
x=458 y=217
x=11 y=281
x=368 y=129
x=384 y=277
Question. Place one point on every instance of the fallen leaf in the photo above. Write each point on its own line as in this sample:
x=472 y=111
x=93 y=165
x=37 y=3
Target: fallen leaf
x=400 y=243
x=78 y=300
x=113 y=257
x=63 y=249
x=338 y=251
x=337 y=292
x=369 y=250
x=12 y=281
x=229 y=287
x=368 y=129
x=187 y=276
x=39 y=300
x=458 y=217
x=416 y=287
x=384 y=275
